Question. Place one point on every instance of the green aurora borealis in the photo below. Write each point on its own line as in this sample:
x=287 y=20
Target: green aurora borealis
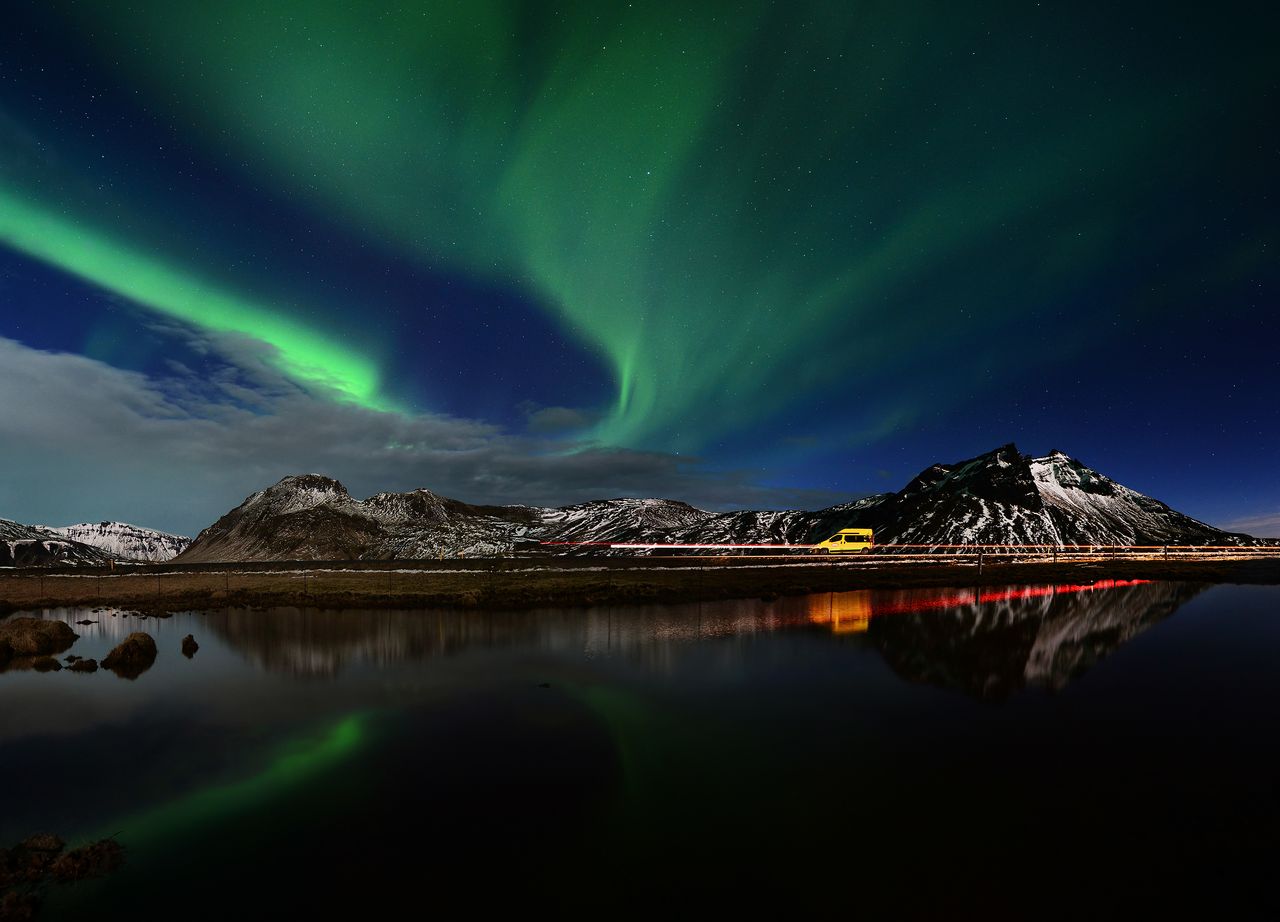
x=168 y=289
x=746 y=211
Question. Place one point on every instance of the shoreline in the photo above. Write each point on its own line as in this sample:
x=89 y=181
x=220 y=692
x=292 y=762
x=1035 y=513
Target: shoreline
x=522 y=584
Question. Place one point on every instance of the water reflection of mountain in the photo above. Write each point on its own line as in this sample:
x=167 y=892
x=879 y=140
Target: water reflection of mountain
x=319 y=643
x=987 y=642
x=993 y=643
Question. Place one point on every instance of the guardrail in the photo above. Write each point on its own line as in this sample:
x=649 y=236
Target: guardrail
x=1075 y=550
x=927 y=551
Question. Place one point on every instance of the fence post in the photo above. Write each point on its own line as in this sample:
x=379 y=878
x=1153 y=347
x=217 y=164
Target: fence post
x=1166 y=552
x=979 y=561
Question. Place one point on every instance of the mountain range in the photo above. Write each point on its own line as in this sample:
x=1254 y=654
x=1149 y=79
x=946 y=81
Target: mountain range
x=1000 y=497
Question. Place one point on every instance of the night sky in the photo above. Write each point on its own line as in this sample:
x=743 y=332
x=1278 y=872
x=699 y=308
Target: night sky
x=743 y=254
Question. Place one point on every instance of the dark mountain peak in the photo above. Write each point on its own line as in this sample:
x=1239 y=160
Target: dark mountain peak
x=926 y=480
x=296 y=483
x=865 y=502
x=1001 y=475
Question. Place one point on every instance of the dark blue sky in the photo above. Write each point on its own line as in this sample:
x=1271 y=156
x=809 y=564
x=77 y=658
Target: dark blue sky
x=745 y=254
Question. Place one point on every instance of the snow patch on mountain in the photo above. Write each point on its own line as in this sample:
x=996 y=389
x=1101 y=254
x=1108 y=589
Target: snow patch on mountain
x=32 y=546
x=122 y=541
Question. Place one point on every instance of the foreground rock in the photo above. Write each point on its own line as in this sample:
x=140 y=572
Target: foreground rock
x=29 y=860
x=134 y=656
x=35 y=636
x=29 y=868
x=189 y=646
x=84 y=665
x=94 y=860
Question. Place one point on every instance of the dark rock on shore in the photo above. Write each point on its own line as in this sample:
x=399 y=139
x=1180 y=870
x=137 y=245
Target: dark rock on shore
x=18 y=907
x=6 y=652
x=29 y=868
x=93 y=860
x=29 y=860
x=45 y=664
x=84 y=665
x=189 y=646
x=134 y=656
x=36 y=636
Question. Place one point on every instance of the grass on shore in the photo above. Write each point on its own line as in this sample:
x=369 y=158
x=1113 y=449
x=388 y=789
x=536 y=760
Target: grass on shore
x=321 y=586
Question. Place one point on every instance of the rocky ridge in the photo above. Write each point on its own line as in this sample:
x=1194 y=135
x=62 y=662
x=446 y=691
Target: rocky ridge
x=1000 y=497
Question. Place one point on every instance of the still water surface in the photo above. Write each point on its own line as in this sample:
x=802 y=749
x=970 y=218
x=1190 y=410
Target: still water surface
x=1029 y=752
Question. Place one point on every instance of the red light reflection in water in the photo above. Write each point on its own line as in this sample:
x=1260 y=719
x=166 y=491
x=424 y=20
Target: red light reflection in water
x=849 y=612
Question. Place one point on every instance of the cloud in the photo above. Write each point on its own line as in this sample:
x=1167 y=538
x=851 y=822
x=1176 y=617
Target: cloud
x=86 y=441
x=1260 y=526
x=557 y=420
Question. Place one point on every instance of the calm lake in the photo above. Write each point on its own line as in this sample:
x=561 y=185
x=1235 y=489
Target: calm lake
x=1025 y=752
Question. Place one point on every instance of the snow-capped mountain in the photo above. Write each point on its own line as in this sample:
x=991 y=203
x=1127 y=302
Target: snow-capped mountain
x=312 y=517
x=122 y=541
x=996 y=498
x=30 y=546
x=1004 y=497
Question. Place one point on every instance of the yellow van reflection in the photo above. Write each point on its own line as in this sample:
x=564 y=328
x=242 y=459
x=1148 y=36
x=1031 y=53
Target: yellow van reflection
x=845 y=541
x=845 y=612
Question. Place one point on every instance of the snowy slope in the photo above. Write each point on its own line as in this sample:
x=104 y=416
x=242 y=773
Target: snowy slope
x=632 y=520
x=31 y=546
x=1074 y=494
x=125 y=542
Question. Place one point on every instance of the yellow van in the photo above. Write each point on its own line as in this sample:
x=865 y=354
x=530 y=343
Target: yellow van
x=845 y=541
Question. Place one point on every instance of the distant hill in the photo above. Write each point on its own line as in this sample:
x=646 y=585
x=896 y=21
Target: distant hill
x=996 y=498
x=29 y=546
x=125 y=542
